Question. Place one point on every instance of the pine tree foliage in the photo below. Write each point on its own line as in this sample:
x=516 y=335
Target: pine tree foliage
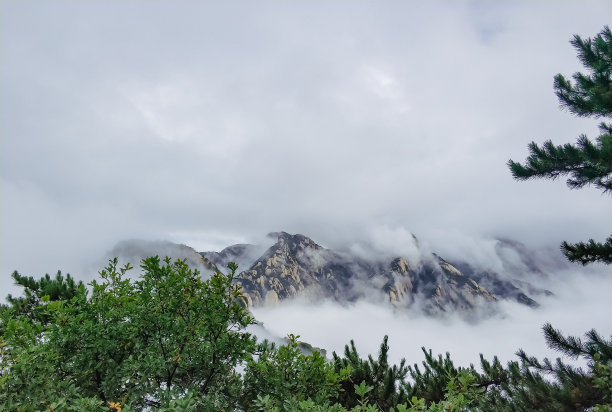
x=571 y=388
x=286 y=376
x=574 y=347
x=591 y=93
x=38 y=292
x=56 y=288
x=431 y=383
x=388 y=382
x=588 y=252
x=587 y=162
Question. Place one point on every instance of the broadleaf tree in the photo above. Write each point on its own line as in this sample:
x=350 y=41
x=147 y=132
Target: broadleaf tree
x=168 y=337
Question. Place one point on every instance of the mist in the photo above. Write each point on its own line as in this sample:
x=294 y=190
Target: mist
x=209 y=124
x=581 y=303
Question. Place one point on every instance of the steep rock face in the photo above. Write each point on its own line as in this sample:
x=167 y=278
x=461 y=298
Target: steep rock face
x=520 y=268
x=297 y=266
x=505 y=289
x=451 y=289
x=436 y=284
x=399 y=281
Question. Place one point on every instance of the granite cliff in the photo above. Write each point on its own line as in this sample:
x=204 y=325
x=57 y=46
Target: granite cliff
x=297 y=267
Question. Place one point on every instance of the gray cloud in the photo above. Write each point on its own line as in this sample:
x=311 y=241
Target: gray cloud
x=578 y=307
x=214 y=123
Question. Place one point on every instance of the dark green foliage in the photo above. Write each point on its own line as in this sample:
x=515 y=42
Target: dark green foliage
x=56 y=289
x=528 y=385
x=38 y=292
x=388 y=382
x=589 y=252
x=575 y=348
x=586 y=162
x=556 y=386
x=591 y=93
x=430 y=384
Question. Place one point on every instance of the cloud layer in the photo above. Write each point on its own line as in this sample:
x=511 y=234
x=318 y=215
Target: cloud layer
x=215 y=123
x=580 y=305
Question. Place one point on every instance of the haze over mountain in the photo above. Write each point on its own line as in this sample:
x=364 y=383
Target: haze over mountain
x=295 y=266
x=209 y=124
x=326 y=311
x=192 y=122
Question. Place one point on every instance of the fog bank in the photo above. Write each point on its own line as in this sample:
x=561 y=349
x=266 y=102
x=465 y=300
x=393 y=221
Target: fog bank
x=581 y=303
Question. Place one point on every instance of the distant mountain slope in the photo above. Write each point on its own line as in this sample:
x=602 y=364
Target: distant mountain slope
x=295 y=266
x=135 y=250
x=242 y=254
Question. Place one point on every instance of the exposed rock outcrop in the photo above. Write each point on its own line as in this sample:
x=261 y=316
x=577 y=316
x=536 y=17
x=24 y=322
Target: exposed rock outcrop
x=297 y=266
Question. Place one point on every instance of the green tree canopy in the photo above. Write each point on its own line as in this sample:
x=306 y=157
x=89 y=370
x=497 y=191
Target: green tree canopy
x=170 y=340
x=142 y=343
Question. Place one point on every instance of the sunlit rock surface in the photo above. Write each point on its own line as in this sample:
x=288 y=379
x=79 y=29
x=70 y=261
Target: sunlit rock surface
x=295 y=266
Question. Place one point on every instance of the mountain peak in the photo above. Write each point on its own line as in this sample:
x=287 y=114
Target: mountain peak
x=294 y=243
x=295 y=265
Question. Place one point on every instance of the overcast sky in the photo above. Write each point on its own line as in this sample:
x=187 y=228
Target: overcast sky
x=212 y=123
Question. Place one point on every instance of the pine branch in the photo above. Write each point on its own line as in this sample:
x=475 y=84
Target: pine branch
x=586 y=163
x=569 y=346
x=591 y=94
x=588 y=252
x=597 y=344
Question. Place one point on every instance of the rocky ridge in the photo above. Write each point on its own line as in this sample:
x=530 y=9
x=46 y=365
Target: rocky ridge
x=295 y=266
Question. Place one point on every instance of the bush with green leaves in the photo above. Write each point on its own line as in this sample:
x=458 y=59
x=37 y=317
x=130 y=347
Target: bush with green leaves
x=170 y=340
x=284 y=376
x=141 y=343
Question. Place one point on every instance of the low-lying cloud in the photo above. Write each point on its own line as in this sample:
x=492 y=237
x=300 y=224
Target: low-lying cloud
x=194 y=123
x=580 y=303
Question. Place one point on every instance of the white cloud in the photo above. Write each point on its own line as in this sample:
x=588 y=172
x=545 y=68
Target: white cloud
x=581 y=304
x=208 y=122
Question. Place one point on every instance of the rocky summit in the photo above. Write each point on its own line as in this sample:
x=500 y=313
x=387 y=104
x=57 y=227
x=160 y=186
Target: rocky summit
x=297 y=267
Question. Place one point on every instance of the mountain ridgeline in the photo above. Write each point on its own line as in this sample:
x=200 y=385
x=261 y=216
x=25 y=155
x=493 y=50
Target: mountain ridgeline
x=297 y=267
